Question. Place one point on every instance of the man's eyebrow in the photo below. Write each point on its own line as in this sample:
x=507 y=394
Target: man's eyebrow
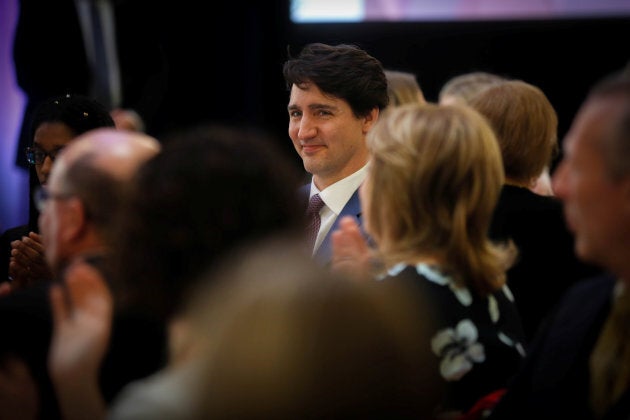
x=313 y=107
x=322 y=106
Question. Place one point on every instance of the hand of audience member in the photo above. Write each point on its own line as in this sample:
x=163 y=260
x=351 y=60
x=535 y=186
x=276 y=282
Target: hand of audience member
x=19 y=398
x=351 y=254
x=82 y=316
x=27 y=264
x=5 y=288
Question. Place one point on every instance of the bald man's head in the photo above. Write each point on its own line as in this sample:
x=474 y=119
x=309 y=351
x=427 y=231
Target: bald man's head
x=117 y=152
x=86 y=189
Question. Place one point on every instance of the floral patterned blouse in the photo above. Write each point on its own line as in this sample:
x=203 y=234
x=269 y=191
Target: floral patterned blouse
x=477 y=341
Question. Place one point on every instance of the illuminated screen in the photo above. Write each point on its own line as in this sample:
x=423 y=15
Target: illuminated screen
x=321 y=11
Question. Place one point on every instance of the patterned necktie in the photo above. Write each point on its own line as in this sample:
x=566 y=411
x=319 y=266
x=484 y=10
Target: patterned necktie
x=313 y=219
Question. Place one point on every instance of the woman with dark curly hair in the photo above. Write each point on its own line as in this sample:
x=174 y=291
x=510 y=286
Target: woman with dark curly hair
x=55 y=123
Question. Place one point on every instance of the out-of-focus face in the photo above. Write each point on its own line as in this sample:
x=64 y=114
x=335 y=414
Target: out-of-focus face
x=53 y=217
x=50 y=138
x=596 y=207
x=327 y=135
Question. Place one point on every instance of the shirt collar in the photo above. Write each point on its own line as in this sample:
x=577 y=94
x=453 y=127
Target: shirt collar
x=336 y=196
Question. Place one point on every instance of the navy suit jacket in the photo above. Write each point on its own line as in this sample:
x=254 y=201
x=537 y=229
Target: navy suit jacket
x=352 y=208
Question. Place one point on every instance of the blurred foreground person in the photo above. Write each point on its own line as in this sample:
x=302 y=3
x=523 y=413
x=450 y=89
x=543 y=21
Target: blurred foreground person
x=212 y=189
x=79 y=211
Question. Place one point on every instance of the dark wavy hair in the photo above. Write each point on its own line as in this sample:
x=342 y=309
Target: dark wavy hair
x=344 y=71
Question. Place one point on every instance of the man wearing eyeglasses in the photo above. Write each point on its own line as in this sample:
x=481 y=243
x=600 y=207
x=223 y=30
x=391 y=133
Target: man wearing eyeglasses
x=79 y=203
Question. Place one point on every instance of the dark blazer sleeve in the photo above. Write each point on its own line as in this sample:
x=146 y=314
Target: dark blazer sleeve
x=553 y=382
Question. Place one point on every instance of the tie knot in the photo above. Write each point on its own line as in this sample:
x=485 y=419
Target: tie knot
x=315 y=204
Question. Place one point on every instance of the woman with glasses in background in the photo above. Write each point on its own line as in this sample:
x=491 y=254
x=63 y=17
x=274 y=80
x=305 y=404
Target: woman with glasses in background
x=55 y=123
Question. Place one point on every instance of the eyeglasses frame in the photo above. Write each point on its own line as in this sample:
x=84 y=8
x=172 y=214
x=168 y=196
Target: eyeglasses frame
x=32 y=152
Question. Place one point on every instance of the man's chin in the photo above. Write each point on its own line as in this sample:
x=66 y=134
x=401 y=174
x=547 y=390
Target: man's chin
x=582 y=251
x=568 y=221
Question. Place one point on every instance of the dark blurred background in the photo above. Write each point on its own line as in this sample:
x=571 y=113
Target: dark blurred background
x=228 y=65
x=225 y=64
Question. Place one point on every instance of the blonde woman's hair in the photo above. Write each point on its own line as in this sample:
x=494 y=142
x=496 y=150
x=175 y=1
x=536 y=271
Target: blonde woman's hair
x=526 y=126
x=464 y=87
x=403 y=88
x=435 y=178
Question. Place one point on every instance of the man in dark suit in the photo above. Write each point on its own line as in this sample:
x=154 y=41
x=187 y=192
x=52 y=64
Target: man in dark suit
x=337 y=93
x=579 y=364
x=54 y=53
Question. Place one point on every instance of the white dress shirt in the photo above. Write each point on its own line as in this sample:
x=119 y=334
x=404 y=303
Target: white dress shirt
x=335 y=198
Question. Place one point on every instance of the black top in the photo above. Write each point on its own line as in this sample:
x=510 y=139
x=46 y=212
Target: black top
x=547 y=265
x=477 y=340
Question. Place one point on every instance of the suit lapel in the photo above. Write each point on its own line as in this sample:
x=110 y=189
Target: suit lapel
x=352 y=208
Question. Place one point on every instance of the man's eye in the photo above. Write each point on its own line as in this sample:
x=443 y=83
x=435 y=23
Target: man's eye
x=55 y=152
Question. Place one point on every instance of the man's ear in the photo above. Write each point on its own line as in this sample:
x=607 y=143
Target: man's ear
x=75 y=220
x=370 y=119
